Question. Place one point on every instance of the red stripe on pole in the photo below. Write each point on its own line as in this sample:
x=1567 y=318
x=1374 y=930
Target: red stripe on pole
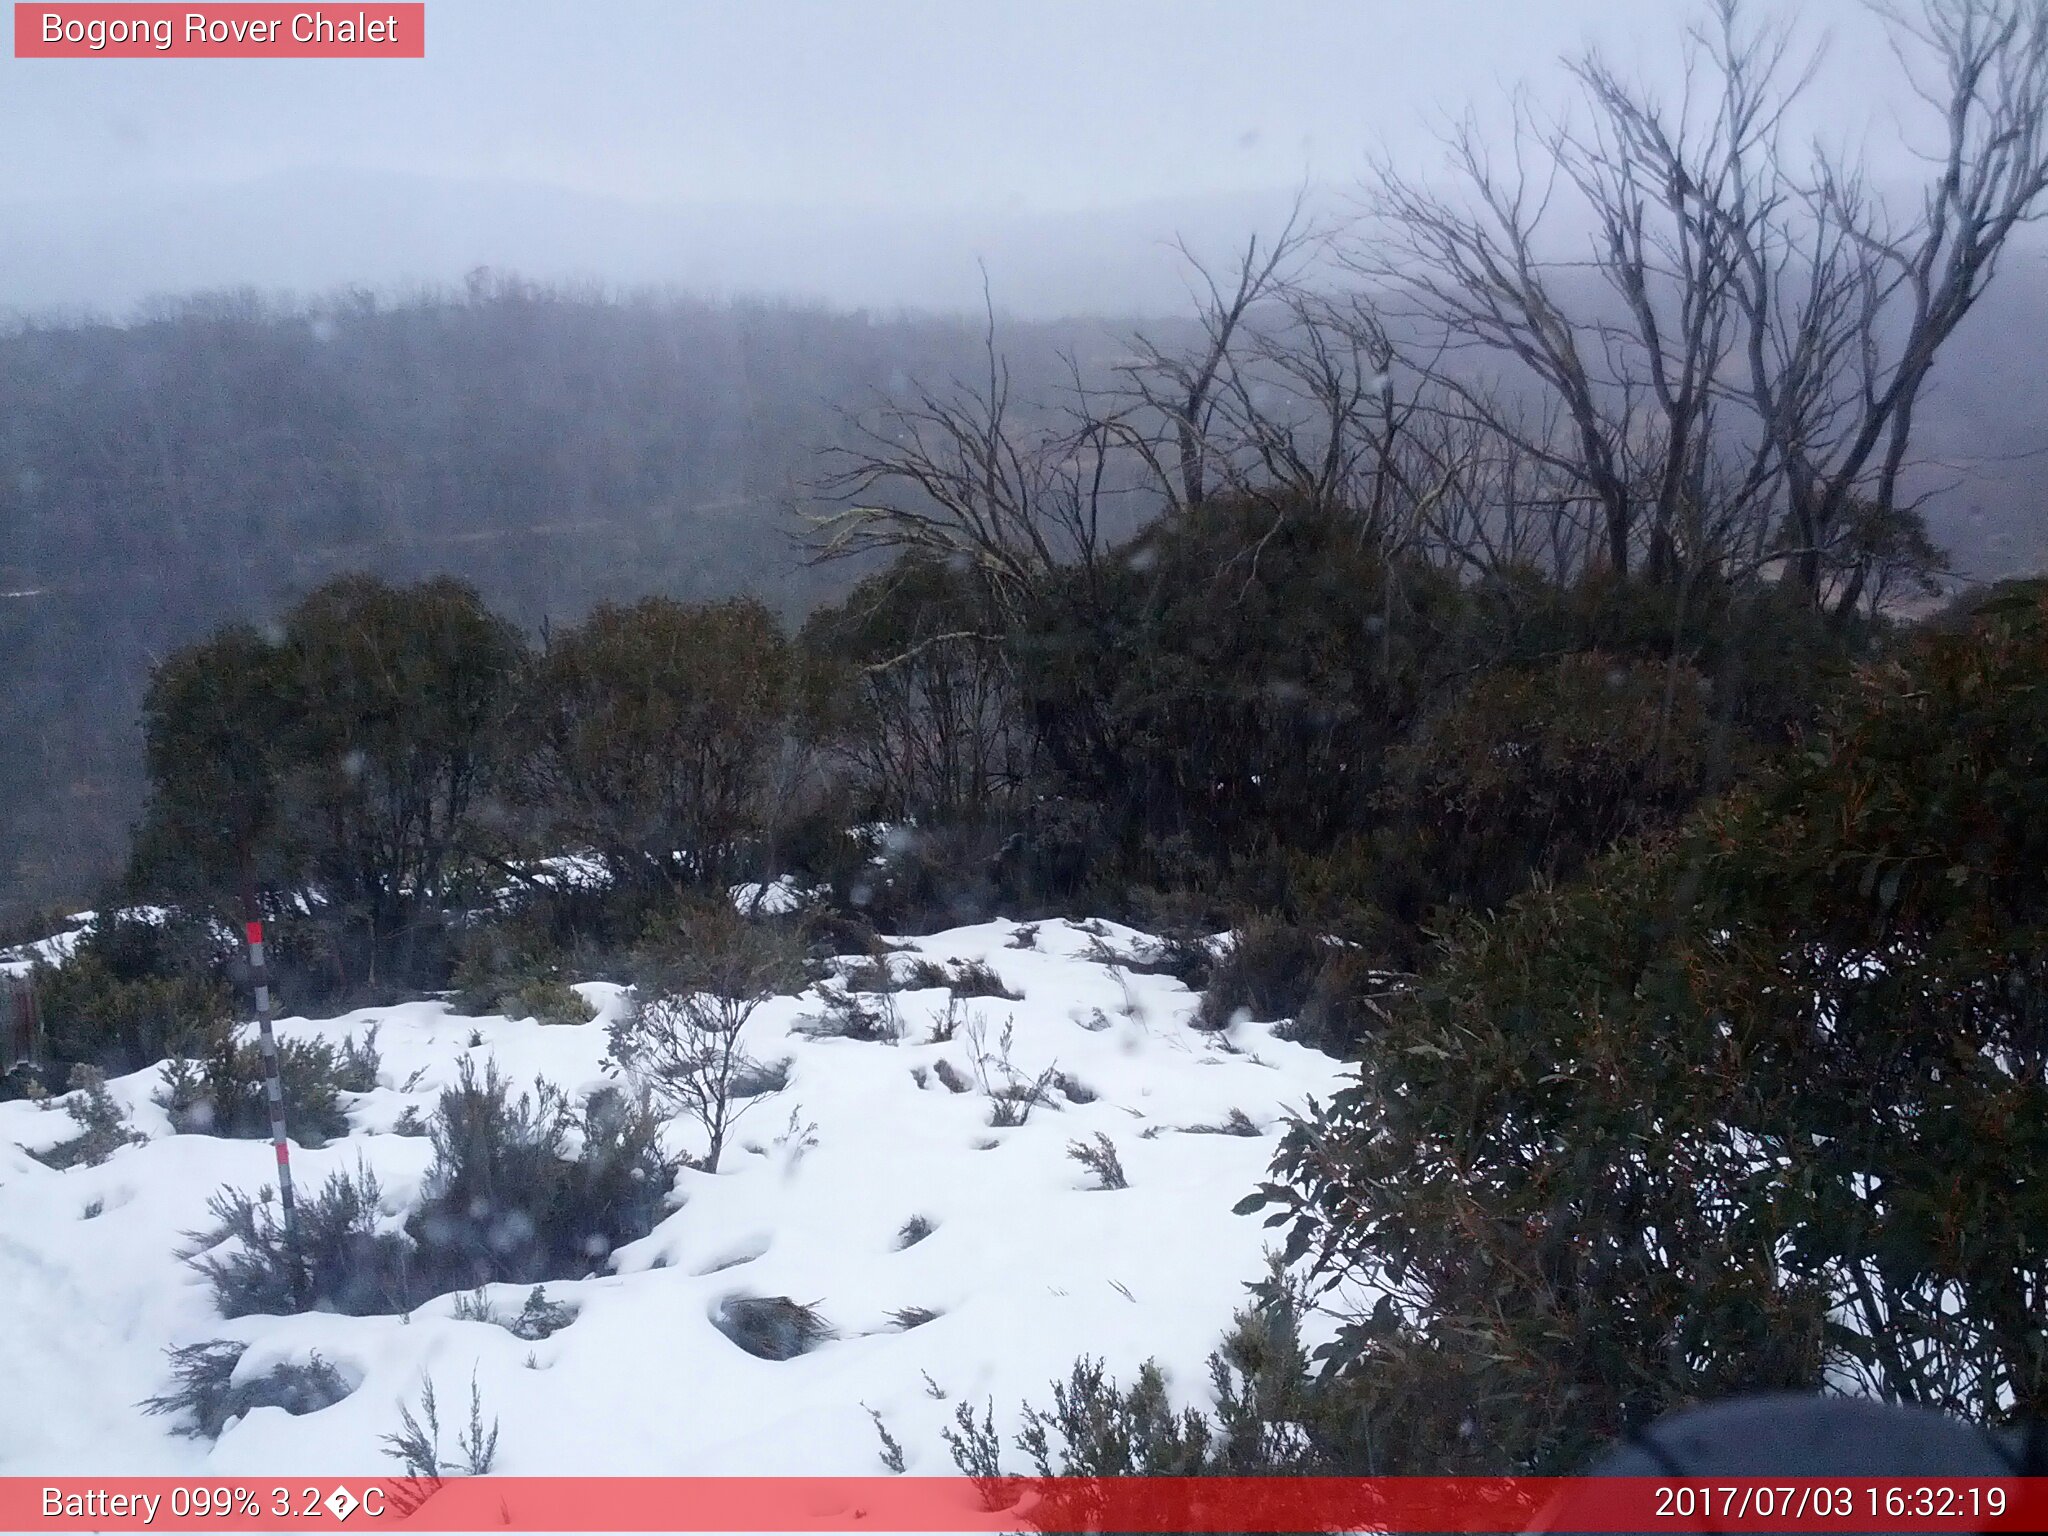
x=254 y=931
x=1849 y=1505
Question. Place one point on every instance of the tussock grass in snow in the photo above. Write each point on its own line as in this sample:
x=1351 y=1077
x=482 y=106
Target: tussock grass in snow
x=1099 y=1158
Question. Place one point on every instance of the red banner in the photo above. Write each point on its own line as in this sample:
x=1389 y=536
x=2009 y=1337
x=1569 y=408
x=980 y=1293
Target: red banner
x=241 y=31
x=1052 y=1505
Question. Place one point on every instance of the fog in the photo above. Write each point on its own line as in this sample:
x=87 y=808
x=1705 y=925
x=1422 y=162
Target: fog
x=879 y=154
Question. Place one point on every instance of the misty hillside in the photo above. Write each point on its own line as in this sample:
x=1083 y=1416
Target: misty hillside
x=211 y=462
x=322 y=228
x=216 y=457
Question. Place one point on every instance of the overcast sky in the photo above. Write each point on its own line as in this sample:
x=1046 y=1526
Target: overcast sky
x=931 y=113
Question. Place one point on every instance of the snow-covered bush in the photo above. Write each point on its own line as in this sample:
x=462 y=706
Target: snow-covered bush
x=102 y=1129
x=222 y=1093
x=346 y=1260
x=207 y=1393
x=534 y=1189
x=771 y=1327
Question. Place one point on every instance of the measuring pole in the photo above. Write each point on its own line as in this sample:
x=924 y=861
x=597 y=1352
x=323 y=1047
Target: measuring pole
x=273 y=1089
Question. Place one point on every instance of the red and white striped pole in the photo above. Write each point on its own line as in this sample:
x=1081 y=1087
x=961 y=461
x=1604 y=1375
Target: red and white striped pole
x=273 y=1089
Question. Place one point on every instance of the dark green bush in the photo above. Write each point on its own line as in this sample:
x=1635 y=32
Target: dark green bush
x=222 y=1092
x=133 y=992
x=1270 y=1416
x=1268 y=973
x=532 y=1189
x=1741 y=1110
x=515 y=968
x=346 y=1262
x=206 y=1391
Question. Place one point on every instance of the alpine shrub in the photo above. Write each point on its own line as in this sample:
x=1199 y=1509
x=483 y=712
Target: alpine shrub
x=102 y=1129
x=532 y=1189
x=1268 y=973
x=206 y=1391
x=223 y=1093
x=346 y=1262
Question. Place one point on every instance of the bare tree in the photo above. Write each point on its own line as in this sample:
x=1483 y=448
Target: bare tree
x=1727 y=371
x=1182 y=389
x=680 y=1038
x=962 y=477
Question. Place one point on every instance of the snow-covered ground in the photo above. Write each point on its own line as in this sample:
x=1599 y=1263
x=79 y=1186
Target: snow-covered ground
x=1027 y=1264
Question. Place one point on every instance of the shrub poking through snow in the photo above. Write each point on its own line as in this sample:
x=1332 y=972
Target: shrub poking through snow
x=102 y=1128
x=681 y=1038
x=1269 y=973
x=1271 y=1416
x=1236 y=1123
x=350 y=1265
x=207 y=1393
x=874 y=973
x=907 y=1318
x=892 y=1449
x=848 y=1014
x=1014 y=1101
x=771 y=1327
x=538 y=1319
x=954 y=1079
x=417 y=1444
x=520 y=1191
x=913 y=1232
x=513 y=1197
x=1015 y=1095
x=548 y=1001
x=356 y=1066
x=221 y=1092
x=503 y=969
x=963 y=978
x=977 y=978
x=1099 y=1158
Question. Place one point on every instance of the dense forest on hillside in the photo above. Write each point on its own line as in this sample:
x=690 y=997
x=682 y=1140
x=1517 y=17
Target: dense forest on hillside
x=221 y=456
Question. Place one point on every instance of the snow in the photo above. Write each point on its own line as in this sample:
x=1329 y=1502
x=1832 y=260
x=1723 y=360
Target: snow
x=1027 y=1264
x=58 y=947
x=773 y=898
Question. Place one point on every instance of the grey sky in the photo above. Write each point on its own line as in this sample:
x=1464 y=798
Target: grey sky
x=944 y=111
